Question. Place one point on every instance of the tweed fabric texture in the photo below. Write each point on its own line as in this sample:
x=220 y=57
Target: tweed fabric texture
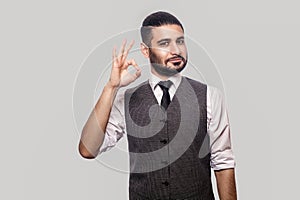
x=168 y=149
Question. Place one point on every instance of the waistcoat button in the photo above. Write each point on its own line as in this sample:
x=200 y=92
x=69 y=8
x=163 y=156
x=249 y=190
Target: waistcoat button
x=166 y=183
x=164 y=141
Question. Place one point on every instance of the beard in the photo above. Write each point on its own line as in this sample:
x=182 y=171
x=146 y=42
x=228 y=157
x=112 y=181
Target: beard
x=161 y=67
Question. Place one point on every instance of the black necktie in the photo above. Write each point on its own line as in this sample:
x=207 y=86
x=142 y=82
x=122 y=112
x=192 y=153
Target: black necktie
x=165 y=85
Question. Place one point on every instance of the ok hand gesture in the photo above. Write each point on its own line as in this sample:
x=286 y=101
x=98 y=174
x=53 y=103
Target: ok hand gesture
x=120 y=76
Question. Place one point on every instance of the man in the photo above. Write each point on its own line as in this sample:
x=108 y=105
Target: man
x=177 y=128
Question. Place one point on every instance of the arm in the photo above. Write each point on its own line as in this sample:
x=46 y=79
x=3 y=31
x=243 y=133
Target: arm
x=94 y=130
x=222 y=159
x=226 y=184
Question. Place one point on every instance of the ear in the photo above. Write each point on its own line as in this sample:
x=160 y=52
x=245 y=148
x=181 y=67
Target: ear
x=145 y=50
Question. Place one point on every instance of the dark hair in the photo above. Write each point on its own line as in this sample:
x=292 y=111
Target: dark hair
x=156 y=19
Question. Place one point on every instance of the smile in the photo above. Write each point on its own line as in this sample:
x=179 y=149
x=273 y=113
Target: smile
x=175 y=60
x=176 y=63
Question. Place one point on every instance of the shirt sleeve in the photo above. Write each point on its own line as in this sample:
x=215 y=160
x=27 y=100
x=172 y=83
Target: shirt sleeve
x=219 y=131
x=115 y=128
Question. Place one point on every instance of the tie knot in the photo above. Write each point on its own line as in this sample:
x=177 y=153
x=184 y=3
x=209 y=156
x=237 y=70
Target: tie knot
x=165 y=84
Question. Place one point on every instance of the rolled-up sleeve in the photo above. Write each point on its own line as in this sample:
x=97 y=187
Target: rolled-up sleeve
x=218 y=129
x=115 y=128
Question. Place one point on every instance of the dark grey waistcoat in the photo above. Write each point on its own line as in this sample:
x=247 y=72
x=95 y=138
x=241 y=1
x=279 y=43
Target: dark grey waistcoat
x=168 y=150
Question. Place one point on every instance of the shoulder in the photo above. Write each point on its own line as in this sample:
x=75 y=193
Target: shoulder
x=140 y=87
x=199 y=87
x=215 y=98
x=215 y=93
x=194 y=82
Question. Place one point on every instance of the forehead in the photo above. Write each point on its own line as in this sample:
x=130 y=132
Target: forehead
x=167 y=31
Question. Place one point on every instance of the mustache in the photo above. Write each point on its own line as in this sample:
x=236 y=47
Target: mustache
x=176 y=57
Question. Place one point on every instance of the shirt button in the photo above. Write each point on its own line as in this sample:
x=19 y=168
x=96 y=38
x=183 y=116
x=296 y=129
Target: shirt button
x=164 y=141
x=166 y=183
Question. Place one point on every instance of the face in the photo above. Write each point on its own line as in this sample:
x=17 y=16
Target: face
x=168 y=53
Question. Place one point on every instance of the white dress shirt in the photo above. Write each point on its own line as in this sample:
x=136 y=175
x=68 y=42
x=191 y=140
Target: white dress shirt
x=217 y=122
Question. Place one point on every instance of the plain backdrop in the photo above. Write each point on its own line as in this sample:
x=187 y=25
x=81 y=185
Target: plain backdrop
x=43 y=45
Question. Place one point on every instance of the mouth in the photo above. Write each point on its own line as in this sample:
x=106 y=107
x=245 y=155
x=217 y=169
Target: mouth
x=176 y=61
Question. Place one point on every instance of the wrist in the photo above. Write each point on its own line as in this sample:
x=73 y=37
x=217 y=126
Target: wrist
x=111 y=86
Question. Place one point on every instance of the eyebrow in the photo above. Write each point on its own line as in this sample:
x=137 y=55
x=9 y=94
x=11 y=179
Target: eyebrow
x=168 y=40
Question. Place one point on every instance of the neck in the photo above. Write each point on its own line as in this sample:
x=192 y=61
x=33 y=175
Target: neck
x=162 y=77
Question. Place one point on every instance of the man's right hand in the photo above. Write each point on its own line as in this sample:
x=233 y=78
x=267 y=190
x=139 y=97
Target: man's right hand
x=94 y=130
x=120 y=76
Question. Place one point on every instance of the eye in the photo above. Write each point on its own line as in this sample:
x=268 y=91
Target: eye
x=164 y=44
x=181 y=41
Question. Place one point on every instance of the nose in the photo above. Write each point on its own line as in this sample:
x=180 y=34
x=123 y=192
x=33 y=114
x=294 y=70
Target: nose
x=174 y=49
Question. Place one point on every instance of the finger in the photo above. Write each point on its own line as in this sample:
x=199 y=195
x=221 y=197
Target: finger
x=114 y=53
x=133 y=63
x=125 y=54
x=130 y=46
x=129 y=63
x=138 y=73
x=115 y=62
x=122 y=49
x=138 y=69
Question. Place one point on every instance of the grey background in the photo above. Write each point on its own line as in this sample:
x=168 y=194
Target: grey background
x=255 y=45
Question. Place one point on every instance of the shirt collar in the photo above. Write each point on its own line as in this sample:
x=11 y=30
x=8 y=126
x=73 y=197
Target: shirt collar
x=154 y=80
